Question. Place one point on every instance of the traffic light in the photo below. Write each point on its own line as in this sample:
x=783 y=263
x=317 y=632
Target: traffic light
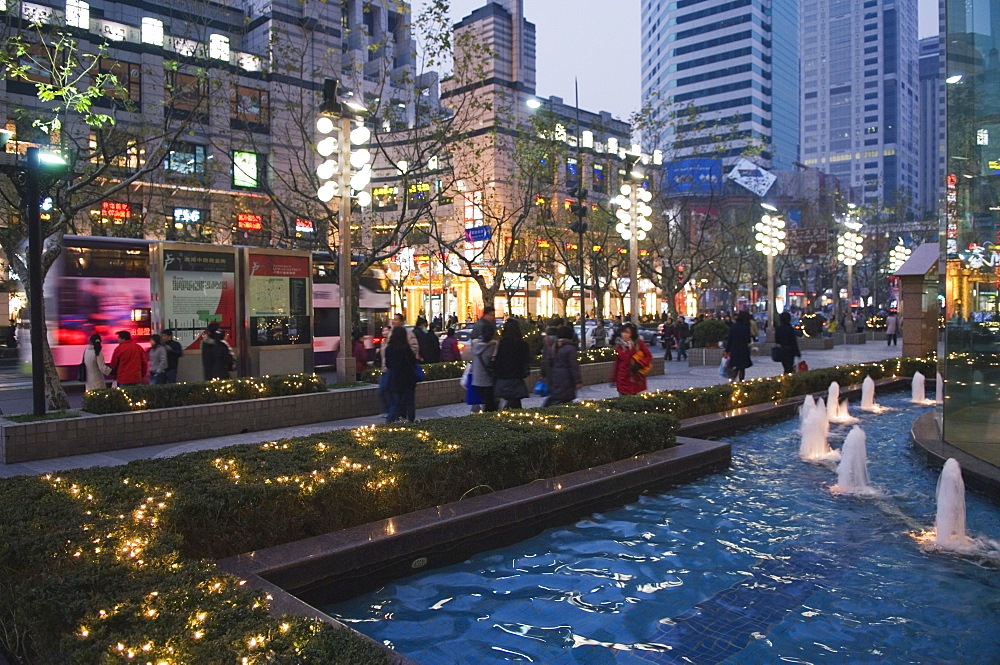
x=578 y=208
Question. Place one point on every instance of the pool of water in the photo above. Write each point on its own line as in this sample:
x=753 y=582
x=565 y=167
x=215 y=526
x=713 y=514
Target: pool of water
x=758 y=564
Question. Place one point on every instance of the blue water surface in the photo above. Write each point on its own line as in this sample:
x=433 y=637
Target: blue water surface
x=758 y=564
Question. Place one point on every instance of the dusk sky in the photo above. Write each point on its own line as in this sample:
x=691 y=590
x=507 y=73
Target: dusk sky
x=597 y=41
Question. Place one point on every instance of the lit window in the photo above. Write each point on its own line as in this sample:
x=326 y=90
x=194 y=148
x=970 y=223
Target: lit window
x=245 y=167
x=78 y=14
x=218 y=47
x=152 y=31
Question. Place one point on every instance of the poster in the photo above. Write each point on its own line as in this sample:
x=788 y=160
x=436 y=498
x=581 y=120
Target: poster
x=278 y=299
x=198 y=287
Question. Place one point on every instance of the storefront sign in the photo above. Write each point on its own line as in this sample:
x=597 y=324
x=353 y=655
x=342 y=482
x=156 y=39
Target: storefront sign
x=304 y=226
x=249 y=222
x=187 y=215
x=114 y=210
x=978 y=257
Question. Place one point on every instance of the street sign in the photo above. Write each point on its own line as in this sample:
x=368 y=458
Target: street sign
x=478 y=234
x=811 y=240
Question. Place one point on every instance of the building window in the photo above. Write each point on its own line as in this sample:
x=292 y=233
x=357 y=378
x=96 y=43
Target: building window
x=246 y=169
x=186 y=96
x=249 y=107
x=126 y=86
x=186 y=158
x=152 y=31
x=598 y=182
x=218 y=47
x=78 y=14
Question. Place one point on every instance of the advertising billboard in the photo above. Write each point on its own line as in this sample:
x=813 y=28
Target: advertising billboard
x=695 y=175
x=198 y=287
x=278 y=299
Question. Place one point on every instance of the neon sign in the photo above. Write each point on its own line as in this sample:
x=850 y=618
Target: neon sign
x=249 y=222
x=115 y=210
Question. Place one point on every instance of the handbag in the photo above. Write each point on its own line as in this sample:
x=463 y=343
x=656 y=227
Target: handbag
x=81 y=372
x=418 y=373
x=776 y=354
x=724 y=368
x=803 y=366
x=640 y=363
x=541 y=388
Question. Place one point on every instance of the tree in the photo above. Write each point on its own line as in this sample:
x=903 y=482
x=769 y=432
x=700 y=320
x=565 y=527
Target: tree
x=86 y=113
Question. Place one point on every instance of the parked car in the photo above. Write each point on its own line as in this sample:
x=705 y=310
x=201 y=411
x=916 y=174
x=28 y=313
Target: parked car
x=649 y=336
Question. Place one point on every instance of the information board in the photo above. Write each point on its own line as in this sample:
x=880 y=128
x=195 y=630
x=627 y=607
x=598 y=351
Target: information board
x=278 y=299
x=198 y=287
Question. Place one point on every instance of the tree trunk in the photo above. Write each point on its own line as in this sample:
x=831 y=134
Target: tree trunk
x=55 y=394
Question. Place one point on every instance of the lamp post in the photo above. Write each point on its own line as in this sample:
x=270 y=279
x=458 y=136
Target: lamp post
x=898 y=256
x=633 y=225
x=849 y=252
x=770 y=241
x=27 y=179
x=338 y=180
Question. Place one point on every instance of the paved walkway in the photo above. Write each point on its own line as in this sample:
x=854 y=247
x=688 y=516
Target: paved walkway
x=677 y=376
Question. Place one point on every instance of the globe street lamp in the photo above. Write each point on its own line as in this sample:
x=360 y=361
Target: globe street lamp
x=770 y=238
x=633 y=225
x=849 y=252
x=898 y=256
x=343 y=173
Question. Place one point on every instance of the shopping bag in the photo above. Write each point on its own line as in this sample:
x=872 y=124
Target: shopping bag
x=803 y=366
x=541 y=389
x=724 y=368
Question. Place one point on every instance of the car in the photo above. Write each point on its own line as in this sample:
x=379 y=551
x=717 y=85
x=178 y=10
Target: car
x=649 y=336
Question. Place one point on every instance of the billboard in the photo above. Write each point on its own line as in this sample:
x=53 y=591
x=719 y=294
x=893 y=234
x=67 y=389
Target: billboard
x=695 y=175
x=198 y=287
x=278 y=299
x=748 y=175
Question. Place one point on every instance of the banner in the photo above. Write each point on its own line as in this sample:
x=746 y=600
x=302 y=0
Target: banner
x=198 y=287
x=702 y=176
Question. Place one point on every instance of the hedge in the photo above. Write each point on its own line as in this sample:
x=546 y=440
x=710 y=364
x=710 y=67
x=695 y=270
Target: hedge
x=111 y=564
x=142 y=397
x=453 y=370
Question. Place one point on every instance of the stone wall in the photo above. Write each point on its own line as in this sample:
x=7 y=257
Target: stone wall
x=24 y=442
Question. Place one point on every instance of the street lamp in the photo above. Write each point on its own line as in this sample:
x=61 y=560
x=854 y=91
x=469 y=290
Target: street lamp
x=898 y=256
x=849 y=252
x=345 y=171
x=633 y=225
x=770 y=241
x=27 y=179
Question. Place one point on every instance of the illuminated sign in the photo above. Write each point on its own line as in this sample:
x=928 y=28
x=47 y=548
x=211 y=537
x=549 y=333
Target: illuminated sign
x=249 y=222
x=978 y=257
x=419 y=187
x=244 y=169
x=385 y=191
x=115 y=210
x=304 y=226
x=187 y=215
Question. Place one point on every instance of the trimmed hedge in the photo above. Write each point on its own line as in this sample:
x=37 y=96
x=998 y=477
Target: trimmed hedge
x=143 y=397
x=108 y=564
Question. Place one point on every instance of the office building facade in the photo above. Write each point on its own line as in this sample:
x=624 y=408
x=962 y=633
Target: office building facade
x=930 y=187
x=731 y=68
x=859 y=104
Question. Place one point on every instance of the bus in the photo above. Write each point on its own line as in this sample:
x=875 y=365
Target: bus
x=102 y=285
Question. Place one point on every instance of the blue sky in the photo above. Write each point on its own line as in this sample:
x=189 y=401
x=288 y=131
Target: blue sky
x=597 y=41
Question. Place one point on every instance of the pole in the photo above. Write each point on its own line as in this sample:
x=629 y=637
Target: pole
x=633 y=257
x=771 y=310
x=345 y=362
x=583 y=293
x=31 y=202
x=850 y=298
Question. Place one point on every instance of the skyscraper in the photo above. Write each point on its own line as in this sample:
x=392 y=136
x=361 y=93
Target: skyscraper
x=930 y=187
x=859 y=95
x=733 y=66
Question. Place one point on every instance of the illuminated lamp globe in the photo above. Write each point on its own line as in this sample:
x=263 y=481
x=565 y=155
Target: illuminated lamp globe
x=623 y=216
x=625 y=190
x=621 y=228
x=626 y=235
x=645 y=195
x=364 y=199
x=361 y=179
x=327 y=191
x=360 y=157
x=759 y=247
x=360 y=135
x=625 y=204
x=640 y=235
x=324 y=125
x=327 y=169
x=327 y=146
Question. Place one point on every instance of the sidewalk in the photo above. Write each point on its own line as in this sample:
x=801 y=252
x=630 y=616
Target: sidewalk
x=677 y=376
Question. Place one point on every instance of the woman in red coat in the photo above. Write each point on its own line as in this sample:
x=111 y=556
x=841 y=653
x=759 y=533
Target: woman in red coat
x=632 y=362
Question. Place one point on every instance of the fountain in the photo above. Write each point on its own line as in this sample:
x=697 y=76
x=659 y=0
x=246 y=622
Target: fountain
x=949 y=525
x=815 y=429
x=833 y=401
x=939 y=388
x=844 y=413
x=918 y=391
x=807 y=406
x=852 y=472
x=868 y=395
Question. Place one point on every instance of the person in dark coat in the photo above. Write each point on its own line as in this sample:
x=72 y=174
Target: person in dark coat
x=430 y=349
x=216 y=357
x=788 y=343
x=563 y=371
x=401 y=364
x=449 y=348
x=738 y=345
x=512 y=366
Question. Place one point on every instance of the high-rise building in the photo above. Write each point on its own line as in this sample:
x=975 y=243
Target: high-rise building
x=733 y=67
x=930 y=187
x=859 y=95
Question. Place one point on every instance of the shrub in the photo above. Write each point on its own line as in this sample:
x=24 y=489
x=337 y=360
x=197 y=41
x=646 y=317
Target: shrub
x=142 y=397
x=709 y=332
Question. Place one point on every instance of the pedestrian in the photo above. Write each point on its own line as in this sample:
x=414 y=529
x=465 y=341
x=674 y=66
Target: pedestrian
x=216 y=356
x=563 y=371
x=512 y=365
x=401 y=367
x=174 y=353
x=891 y=328
x=399 y=321
x=128 y=361
x=487 y=321
x=449 y=347
x=861 y=323
x=157 y=361
x=95 y=367
x=669 y=338
x=632 y=362
x=484 y=351
x=600 y=335
x=682 y=332
x=360 y=354
x=787 y=339
x=738 y=346
x=430 y=348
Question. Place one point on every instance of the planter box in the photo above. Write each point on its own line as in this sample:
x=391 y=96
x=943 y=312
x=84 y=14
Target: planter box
x=875 y=335
x=815 y=343
x=848 y=338
x=25 y=442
